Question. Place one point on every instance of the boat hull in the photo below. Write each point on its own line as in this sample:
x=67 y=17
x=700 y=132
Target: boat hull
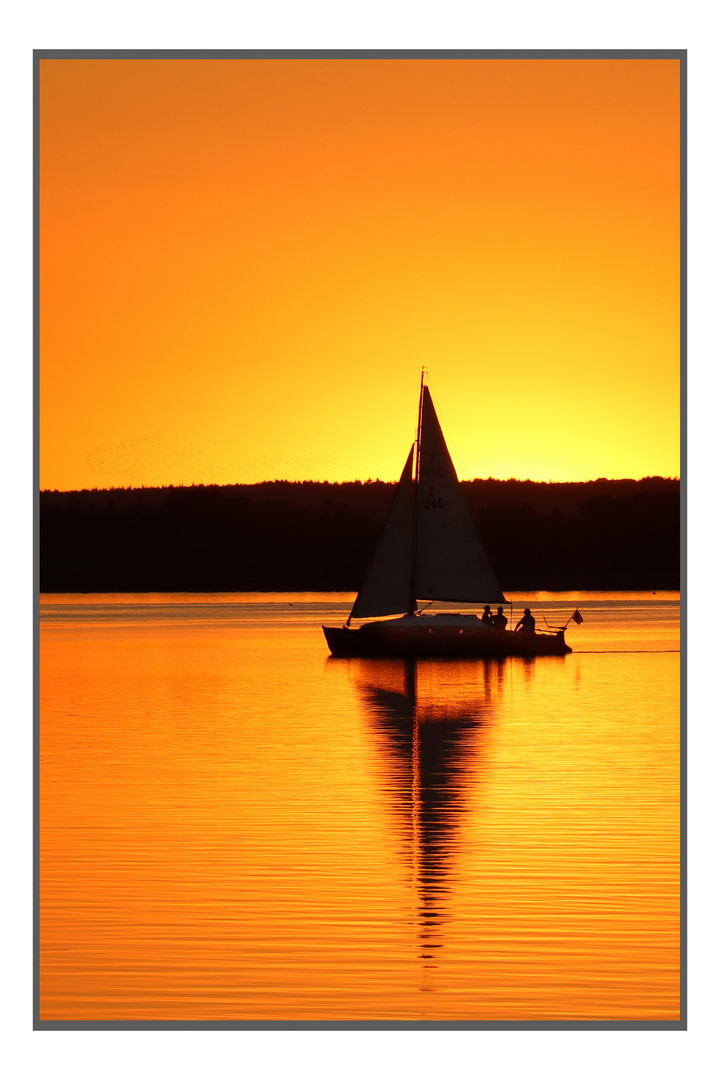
x=386 y=639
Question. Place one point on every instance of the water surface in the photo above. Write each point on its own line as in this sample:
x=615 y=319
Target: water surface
x=236 y=827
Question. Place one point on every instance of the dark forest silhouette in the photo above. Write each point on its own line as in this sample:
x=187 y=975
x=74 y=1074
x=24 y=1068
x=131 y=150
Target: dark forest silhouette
x=284 y=536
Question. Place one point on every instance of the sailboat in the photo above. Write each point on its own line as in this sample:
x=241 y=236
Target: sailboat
x=430 y=551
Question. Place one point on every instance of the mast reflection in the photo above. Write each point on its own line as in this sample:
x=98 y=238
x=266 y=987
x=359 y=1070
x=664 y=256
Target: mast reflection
x=430 y=719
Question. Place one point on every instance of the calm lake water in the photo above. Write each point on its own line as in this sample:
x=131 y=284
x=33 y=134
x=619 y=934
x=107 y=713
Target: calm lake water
x=236 y=827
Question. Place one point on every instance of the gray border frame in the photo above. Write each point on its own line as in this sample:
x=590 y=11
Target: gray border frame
x=363 y=54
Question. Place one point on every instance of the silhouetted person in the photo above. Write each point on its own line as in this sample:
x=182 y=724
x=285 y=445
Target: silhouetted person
x=526 y=625
x=499 y=620
x=486 y=616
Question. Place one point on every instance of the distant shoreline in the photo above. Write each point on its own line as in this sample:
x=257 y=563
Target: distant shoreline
x=282 y=536
x=259 y=484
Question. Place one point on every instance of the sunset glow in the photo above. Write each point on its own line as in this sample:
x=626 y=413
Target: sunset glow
x=244 y=264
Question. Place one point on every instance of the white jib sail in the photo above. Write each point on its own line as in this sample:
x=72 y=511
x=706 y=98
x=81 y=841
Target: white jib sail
x=387 y=589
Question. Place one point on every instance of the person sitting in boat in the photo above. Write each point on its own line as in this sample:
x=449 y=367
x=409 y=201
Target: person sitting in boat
x=486 y=616
x=499 y=621
x=526 y=625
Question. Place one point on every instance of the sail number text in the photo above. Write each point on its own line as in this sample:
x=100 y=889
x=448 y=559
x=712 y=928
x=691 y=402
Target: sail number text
x=432 y=503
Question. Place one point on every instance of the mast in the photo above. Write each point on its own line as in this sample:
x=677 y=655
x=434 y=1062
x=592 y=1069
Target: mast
x=416 y=480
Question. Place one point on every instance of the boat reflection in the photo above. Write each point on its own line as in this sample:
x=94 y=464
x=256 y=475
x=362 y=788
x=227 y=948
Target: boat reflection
x=431 y=719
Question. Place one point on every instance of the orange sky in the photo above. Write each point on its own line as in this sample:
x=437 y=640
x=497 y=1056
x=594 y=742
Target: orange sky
x=244 y=264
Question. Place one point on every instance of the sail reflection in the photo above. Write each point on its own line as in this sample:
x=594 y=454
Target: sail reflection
x=430 y=719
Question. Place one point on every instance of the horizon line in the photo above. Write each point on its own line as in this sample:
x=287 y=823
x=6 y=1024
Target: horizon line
x=338 y=483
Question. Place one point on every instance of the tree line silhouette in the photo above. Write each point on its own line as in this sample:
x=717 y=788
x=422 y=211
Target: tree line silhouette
x=311 y=536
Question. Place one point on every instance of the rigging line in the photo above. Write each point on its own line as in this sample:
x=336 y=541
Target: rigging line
x=416 y=484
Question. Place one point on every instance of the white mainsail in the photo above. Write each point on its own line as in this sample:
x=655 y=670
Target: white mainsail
x=451 y=563
x=430 y=549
